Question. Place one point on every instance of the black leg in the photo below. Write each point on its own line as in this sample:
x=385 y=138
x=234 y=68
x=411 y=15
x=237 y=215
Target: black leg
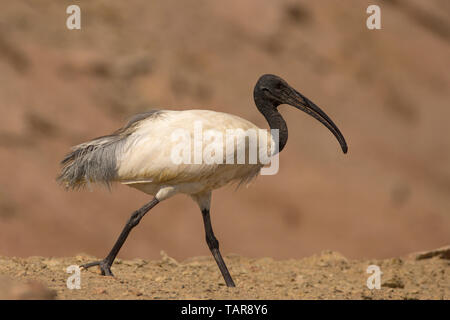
x=105 y=264
x=213 y=245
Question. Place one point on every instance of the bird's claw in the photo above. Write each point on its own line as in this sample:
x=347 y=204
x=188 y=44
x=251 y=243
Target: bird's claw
x=105 y=267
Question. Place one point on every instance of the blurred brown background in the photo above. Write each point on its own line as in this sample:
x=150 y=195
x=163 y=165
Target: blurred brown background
x=388 y=91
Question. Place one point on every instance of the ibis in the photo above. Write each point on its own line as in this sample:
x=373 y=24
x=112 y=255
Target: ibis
x=140 y=155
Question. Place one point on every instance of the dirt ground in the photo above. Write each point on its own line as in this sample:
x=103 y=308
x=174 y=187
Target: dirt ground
x=328 y=275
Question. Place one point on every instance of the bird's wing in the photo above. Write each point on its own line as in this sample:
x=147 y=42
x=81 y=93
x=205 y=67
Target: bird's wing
x=153 y=152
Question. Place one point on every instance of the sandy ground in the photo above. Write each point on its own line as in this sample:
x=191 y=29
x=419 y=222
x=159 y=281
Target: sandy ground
x=328 y=275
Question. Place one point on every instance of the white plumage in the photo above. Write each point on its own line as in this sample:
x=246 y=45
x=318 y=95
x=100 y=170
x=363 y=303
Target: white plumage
x=145 y=161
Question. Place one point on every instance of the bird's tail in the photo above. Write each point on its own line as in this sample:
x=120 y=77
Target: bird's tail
x=93 y=161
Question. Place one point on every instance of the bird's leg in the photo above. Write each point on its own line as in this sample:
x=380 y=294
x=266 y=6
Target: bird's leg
x=213 y=245
x=105 y=264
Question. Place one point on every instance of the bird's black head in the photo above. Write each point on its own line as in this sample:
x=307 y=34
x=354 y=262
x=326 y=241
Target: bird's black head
x=271 y=88
x=271 y=91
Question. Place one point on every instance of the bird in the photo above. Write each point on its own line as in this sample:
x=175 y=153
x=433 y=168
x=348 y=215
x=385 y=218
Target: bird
x=140 y=155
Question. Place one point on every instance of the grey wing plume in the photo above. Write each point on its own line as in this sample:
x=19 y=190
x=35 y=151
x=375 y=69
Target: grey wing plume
x=96 y=160
x=93 y=161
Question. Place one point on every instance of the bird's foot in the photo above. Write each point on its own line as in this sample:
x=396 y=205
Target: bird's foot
x=104 y=265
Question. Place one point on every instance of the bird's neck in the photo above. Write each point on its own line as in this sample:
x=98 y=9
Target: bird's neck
x=276 y=121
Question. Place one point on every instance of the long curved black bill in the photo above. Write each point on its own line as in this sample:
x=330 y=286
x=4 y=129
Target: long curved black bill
x=299 y=101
